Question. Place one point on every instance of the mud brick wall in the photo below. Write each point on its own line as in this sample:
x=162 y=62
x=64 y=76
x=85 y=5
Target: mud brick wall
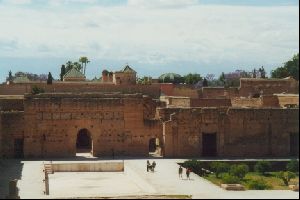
x=213 y=92
x=12 y=127
x=246 y=102
x=249 y=87
x=119 y=122
x=11 y=104
x=81 y=87
x=239 y=132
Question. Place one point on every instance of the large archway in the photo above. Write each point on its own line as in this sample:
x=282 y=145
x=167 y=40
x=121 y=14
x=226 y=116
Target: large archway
x=84 y=142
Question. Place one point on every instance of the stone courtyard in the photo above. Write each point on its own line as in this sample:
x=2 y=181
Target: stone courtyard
x=134 y=182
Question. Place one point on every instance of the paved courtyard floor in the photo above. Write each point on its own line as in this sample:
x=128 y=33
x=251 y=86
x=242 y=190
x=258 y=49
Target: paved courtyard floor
x=135 y=181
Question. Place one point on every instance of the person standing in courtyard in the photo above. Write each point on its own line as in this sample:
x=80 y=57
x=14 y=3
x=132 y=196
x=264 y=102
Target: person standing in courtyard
x=180 y=172
x=188 y=171
x=153 y=166
x=148 y=165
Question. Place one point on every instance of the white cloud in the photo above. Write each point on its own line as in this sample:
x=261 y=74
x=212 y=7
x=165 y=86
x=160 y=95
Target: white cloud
x=17 y=2
x=162 y=3
x=62 y=2
x=201 y=34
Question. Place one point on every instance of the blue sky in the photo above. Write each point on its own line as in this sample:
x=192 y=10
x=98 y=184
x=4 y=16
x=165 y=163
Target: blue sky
x=153 y=36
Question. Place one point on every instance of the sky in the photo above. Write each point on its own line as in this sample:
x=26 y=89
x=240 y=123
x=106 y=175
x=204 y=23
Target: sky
x=152 y=36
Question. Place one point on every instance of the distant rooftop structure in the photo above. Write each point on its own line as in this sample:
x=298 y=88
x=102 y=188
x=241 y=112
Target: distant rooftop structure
x=21 y=79
x=127 y=69
x=74 y=75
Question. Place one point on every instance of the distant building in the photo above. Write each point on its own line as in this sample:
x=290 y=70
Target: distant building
x=74 y=75
x=127 y=76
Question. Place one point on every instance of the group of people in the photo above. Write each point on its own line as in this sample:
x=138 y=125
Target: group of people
x=151 y=167
x=187 y=172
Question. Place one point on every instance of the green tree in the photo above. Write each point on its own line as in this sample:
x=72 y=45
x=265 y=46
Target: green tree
x=62 y=72
x=84 y=61
x=230 y=179
x=222 y=78
x=262 y=167
x=293 y=166
x=192 y=78
x=286 y=176
x=239 y=171
x=258 y=184
x=77 y=66
x=219 y=167
x=37 y=90
x=290 y=68
x=70 y=65
x=50 y=79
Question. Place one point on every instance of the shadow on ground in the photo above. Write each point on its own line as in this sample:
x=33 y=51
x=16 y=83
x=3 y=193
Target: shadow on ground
x=9 y=170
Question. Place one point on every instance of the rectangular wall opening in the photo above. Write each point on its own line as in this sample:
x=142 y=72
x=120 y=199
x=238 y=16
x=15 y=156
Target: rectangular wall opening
x=294 y=144
x=209 y=144
x=19 y=148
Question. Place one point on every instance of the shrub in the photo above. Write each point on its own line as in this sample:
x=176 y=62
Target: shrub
x=239 y=170
x=219 y=167
x=37 y=90
x=194 y=165
x=258 y=184
x=293 y=166
x=262 y=167
x=286 y=176
x=229 y=179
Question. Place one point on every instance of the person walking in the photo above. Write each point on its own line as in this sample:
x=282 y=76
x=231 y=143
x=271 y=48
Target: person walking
x=180 y=172
x=188 y=171
x=148 y=165
x=153 y=166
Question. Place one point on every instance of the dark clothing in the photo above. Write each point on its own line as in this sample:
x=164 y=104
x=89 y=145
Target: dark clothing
x=180 y=171
x=188 y=173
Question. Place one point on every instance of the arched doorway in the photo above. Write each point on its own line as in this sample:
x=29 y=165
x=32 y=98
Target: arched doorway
x=84 y=142
x=154 y=147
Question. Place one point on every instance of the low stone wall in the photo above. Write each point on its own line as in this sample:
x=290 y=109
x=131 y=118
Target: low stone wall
x=89 y=167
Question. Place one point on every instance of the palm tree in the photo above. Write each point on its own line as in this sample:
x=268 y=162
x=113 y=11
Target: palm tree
x=84 y=60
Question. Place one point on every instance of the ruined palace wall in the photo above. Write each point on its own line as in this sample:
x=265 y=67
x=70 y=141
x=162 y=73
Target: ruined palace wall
x=185 y=91
x=189 y=102
x=183 y=131
x=262 y=102
x=12 y=127
x=270 y=101
x=210 y=102
x=249 y=87
x=178 y=90
x=11 y=104
x=239 y=132
x=213 y=92
x=19 y=89
x=115 y=122
x=260 y=132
